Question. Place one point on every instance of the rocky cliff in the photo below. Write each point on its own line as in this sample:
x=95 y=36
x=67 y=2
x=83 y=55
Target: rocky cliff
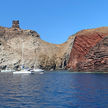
x=85 y=46
x=97 y=58
x=35 y=51
x=86 y=50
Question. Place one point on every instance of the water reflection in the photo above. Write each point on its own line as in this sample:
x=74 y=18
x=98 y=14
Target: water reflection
x=54 y=90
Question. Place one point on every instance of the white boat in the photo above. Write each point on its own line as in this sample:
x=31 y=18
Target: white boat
x=7 y=70
x=22 y=72
x=37 y=70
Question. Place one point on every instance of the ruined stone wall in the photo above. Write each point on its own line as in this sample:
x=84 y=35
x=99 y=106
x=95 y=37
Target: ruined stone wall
x=15 y=24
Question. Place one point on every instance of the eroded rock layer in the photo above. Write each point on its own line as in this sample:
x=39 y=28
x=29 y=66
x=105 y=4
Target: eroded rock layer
x=85 y=40
x=97 y=58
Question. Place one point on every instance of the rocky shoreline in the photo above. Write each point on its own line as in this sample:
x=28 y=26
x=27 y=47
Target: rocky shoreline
x=86 y=50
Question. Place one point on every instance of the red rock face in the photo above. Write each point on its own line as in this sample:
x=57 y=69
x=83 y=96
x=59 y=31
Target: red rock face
x=97 y=58
x=84 y=41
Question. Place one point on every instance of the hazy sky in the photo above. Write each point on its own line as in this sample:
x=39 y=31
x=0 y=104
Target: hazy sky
x=55 y=20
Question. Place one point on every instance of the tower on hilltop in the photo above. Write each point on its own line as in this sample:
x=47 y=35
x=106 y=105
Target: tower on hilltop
x=15 y=24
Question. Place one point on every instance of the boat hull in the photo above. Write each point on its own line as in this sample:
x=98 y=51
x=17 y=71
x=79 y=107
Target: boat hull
x=22 y=72
x=37 y=70
x=6 y=71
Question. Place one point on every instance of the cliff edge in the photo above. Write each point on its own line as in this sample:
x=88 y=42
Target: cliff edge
x=46 y=55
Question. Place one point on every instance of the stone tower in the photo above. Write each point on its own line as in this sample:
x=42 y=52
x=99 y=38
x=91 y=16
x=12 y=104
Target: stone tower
x=15 y=24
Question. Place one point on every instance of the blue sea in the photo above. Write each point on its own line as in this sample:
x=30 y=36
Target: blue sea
x=56 y=89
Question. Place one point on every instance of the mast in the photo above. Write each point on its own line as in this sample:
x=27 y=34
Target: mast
x=22 y=55
x=36 y=61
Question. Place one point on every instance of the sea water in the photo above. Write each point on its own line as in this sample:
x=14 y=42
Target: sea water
x=57 y=89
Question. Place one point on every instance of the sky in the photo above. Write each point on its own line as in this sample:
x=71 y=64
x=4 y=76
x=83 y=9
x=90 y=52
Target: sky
x=55 y=20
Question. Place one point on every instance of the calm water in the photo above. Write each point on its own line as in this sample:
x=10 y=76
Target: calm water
x=54 y=90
